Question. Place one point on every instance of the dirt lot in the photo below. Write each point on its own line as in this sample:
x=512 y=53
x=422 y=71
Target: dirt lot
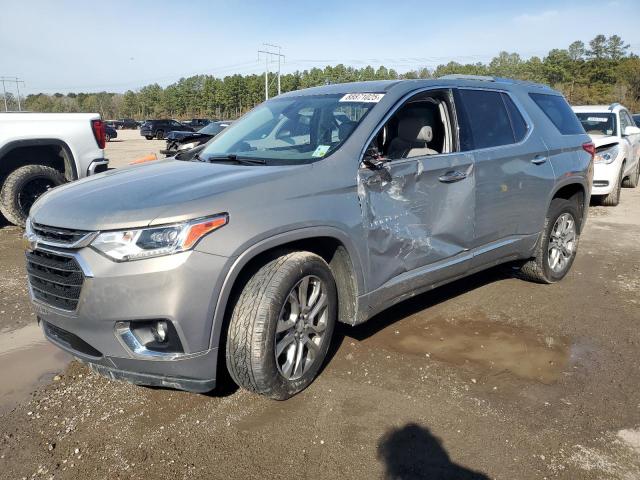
x=489 y=377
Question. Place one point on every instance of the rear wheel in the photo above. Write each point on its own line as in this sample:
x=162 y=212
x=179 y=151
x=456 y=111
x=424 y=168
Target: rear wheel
x=281 y=325
x=557 y=246
x=613 y=198
x=160 y=134
x=107 y=137
x=22 y=187
x=632 y=180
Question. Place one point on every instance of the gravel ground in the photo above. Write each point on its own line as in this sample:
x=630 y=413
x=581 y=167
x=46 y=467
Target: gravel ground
x=489 y=377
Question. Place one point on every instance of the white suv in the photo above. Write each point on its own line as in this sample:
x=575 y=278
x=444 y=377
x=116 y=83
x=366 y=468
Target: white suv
x=617 y=141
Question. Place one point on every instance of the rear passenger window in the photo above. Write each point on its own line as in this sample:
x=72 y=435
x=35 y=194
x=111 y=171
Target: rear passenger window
x=517 y=122
x=484 y=120
x=559 y=112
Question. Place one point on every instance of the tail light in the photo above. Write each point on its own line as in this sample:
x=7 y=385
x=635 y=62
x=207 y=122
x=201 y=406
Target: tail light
x=590 y=148
x=98 y=132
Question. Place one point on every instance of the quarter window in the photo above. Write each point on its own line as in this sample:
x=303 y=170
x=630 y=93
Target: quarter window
x=559 y=112
x=484 y=120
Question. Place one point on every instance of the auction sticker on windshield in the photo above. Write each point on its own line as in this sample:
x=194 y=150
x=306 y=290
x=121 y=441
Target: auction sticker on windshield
x=362 y=97
x=321 y=151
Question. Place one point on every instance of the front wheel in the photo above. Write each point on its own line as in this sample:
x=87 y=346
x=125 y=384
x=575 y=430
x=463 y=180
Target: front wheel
x=632 y=180
x=613 y=198
x=557 y=245
x=281 y=325
x=148 y=137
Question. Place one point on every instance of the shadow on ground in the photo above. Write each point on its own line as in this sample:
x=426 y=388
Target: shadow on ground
x=412 y=452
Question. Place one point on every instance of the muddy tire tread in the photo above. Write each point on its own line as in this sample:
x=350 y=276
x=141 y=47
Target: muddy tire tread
x=250 y=324
x=8 y=205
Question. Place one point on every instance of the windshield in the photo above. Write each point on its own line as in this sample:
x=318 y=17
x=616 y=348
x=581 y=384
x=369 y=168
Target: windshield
x=598 y=123
x=291 y=130
x=213 y=128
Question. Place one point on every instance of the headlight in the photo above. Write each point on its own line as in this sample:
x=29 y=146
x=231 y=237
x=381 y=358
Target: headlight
x=606 y=156
x=136 y=244
x=187 y=146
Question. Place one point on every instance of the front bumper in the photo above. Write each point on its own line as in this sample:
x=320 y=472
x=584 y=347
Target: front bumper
x=605 y=178
x=180 y=288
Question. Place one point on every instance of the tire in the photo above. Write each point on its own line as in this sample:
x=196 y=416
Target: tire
x=160 y=135
x=252 y=336
x=613 y=198
x=539 y=269
x=22 y=187
x=148 y=137
x=632 y=180
x=107 y=137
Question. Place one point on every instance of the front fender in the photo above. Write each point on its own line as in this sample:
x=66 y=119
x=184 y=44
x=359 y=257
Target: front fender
x=219 y=304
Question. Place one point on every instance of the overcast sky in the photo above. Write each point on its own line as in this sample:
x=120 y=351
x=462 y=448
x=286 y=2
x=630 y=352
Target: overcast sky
x=62 y=46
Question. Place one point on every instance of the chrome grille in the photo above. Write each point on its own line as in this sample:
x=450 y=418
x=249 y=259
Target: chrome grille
x=62 y=237
x=54 y=279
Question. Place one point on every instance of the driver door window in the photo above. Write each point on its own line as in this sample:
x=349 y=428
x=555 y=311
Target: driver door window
x=421 y=127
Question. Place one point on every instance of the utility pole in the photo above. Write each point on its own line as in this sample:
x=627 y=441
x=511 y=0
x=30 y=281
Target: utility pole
x=268 y=54
x=15 y=80
x=4 y=94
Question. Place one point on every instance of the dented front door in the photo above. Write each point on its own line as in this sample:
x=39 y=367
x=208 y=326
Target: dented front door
x=416 y=213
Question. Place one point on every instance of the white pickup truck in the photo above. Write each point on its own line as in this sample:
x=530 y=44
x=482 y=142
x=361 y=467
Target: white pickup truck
x=39 y=151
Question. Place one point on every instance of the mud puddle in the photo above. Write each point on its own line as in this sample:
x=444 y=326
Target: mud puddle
x=27 y=360
x=484 y=346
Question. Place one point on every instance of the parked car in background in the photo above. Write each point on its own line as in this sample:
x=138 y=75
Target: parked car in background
x=636 y=118
x=197 y=123
x=182 y=140
x=39 y=151
x=251 y=253
x=158 y=128
x=110 y=133
x=123 y=123
x=617 y=141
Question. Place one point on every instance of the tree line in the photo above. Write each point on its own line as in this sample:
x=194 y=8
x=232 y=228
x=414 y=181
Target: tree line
x=602 y=71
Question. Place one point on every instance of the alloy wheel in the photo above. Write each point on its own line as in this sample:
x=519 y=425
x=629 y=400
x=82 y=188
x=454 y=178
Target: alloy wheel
x=301 y=326
x=562 y=242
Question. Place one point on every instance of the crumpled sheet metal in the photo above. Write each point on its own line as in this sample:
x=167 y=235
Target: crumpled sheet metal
x=407 y=225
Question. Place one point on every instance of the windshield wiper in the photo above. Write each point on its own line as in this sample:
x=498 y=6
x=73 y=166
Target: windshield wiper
x=232 y=157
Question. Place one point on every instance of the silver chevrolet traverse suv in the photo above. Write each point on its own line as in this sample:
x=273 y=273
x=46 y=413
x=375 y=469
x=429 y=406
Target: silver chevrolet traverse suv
x=320 y=205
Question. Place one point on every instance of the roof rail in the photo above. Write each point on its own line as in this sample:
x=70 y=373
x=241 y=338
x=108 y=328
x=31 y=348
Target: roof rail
x=459 y=76
x=613 y=105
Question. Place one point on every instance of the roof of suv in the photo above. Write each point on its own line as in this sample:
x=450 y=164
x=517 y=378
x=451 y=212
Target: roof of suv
x=383 y=86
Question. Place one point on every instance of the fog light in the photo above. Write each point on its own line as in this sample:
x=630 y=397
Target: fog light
x=160 y=331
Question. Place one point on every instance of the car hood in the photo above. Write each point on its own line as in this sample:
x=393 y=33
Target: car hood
x=178 y=134
x=185 y=135
x=600 y=140
x=153 y=193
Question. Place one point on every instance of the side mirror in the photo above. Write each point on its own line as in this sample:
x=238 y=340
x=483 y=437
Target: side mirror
x=631 y=130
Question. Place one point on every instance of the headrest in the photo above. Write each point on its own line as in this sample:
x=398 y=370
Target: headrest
x=413 y=129
x=425 y=134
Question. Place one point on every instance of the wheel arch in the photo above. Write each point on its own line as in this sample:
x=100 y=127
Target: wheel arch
x=570 y=190
x=62 y=158
x=333 y=245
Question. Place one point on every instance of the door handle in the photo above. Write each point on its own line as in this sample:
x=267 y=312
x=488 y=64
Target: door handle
x=538 y=160
x=453 y=176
